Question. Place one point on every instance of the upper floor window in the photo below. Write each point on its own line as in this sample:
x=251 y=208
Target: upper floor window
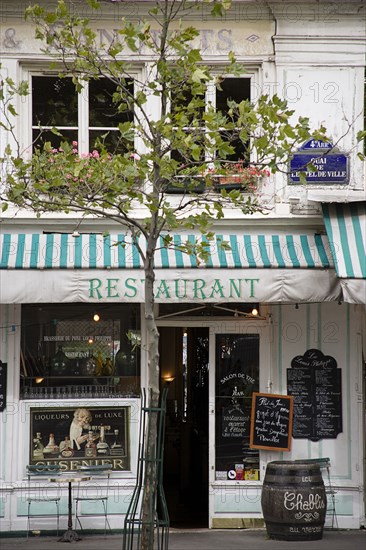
x=184 y=109
x=90 y=117
x=233 y=89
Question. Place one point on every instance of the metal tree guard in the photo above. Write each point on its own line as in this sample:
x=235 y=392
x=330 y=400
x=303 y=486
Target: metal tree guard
x=158 y=516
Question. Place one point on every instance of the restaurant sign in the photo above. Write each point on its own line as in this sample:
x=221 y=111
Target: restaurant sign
x=321 y=164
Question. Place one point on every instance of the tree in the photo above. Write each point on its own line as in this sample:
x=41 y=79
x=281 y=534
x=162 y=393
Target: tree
x=181 y=142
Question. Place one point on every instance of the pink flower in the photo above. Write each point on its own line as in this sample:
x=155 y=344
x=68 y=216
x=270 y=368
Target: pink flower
x=74 y=144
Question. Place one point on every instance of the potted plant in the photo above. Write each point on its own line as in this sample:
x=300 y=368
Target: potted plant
x=237 y=175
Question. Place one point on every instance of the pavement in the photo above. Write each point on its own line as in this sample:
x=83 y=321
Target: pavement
x=202 y=539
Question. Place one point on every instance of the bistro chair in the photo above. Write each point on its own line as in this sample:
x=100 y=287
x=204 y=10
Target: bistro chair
x=41 y=471
x=102 y=471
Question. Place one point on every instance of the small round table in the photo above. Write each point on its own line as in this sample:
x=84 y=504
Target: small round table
x=70 y=535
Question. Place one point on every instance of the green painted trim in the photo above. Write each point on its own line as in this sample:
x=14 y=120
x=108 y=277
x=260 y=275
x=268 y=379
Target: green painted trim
x=46 y=509
x=237 y=501
x=116 y=506
x=344 y=504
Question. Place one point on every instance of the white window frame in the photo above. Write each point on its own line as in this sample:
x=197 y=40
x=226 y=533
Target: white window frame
x=25 y=120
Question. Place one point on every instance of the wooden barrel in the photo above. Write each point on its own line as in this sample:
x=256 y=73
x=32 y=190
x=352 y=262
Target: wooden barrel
x=294 y=501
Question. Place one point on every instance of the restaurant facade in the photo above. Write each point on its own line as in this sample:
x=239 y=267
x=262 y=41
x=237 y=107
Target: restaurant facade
x=281 y=312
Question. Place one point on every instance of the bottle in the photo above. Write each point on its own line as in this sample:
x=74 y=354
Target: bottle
x=60 y=363
x=89 y=366
x=38 y=447
x=65 y=448
x=98 y=364
x=51 y=447
x=90 y=446
x=102 y=445
x=108 y=367
x=117 y=449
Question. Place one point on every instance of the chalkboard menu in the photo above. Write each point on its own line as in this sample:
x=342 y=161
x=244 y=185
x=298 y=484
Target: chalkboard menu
x=271 y=421
x=3 y=371
x=314 y=381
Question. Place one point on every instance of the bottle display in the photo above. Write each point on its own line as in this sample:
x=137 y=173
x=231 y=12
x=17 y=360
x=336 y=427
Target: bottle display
x=108 y=367
x=102 y=445
x=77 y=369
x=89 y=366
x=38 y=447
x=65 y=448
x=59 y=363
x=51 y=447
x=99 y=364
x=117 y=448
x=125 y=362
x=90 y=446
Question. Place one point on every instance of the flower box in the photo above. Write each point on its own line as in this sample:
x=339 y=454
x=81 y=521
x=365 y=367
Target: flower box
x=234 y=181
x=231 y=176
x=186 y=184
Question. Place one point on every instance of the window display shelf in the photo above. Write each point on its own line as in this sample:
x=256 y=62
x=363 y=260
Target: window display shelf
x=54 y=387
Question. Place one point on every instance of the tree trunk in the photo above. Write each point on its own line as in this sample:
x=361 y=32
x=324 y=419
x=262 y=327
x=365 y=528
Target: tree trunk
x=150 y=464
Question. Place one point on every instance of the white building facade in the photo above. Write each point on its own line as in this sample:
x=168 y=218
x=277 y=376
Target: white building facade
x=302 y=266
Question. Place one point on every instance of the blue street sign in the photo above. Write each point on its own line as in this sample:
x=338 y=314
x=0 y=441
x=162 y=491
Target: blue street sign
x=312 y=144
x=331 y=168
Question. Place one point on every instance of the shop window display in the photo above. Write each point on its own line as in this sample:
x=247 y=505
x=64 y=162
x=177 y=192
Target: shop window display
x=79 y=351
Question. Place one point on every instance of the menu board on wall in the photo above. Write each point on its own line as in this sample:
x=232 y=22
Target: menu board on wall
x=271 y=422
x=315 y=383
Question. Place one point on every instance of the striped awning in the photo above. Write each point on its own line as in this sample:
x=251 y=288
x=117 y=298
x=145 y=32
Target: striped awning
x=264 y=267
x=117 y=251
x=346 y=229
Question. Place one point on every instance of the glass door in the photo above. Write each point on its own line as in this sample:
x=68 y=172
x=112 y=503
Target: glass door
x=184 y=370
x=236 y=378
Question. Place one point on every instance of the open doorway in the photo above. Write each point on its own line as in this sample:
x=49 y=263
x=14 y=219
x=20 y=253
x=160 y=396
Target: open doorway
x=184 y=369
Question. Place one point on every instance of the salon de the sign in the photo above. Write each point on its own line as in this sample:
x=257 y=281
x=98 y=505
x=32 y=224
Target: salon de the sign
x=321 y=164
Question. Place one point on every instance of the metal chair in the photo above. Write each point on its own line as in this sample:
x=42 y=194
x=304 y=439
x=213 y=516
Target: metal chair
x=102 y=470
x=38 y=471
x=324 y=465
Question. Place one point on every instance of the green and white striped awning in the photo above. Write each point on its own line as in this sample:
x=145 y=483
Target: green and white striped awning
x=345 y=224
x=117 y=251
x=263 y=267
x=346 y=229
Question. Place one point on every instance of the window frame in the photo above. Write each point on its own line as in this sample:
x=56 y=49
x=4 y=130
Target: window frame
x=83 y=128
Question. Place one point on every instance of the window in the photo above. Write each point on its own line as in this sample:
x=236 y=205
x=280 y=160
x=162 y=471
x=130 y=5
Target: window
x=88 y=118
x=54 y=104
x=68 y=352
x=237 y=89
x=191 y=114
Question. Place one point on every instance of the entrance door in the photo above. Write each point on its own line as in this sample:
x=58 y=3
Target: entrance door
x=184 y=369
